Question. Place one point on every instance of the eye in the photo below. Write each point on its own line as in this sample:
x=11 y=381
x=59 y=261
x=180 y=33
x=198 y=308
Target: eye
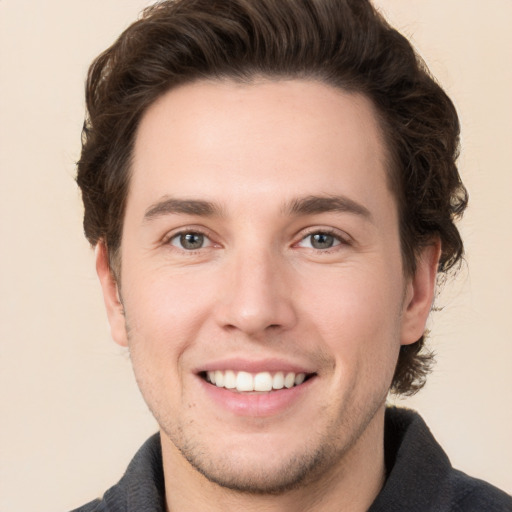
x=190 y=241
x=320 y=241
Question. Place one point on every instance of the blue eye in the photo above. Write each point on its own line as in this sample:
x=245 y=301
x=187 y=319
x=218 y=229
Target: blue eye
x=320 y=241
x=190 y=241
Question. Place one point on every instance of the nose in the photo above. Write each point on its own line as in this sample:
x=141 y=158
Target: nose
x=256 y=295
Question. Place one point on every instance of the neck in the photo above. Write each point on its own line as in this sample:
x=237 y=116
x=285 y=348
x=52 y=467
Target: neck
x=351 y=484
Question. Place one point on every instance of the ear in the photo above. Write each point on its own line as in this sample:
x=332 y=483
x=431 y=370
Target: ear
x=109 y=287
x=419 y=294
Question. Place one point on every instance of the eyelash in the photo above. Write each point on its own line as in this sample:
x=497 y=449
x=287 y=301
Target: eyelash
x=341 y=240
x=187 y=231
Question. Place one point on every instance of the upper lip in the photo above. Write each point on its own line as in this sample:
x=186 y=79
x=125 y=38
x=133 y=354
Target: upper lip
x=255 y=366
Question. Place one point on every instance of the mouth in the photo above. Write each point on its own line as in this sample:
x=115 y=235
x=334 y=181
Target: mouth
x=246 y=382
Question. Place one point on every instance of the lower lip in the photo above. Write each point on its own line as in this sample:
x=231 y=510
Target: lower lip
x=256 y=404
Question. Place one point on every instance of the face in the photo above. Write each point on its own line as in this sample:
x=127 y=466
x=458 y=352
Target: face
x=262 y=293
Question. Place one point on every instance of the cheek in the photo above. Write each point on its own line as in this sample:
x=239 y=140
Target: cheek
x=358 y=315
x=352 y=298
x=159 y=332
x=163 y=317
x=159 y=298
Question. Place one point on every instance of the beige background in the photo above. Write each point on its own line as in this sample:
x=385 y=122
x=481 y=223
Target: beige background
x=71 y=415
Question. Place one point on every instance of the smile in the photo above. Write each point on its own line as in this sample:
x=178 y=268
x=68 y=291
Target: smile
x=249 y=382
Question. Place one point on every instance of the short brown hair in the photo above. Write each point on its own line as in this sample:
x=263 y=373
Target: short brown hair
x=343 y=43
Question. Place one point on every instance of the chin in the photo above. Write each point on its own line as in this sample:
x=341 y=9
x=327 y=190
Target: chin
x=260 y=466
x=269 y=477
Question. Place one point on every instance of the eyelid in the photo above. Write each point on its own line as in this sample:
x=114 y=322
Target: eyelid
x=342 y=237
x=168 y=237
x=206 y=241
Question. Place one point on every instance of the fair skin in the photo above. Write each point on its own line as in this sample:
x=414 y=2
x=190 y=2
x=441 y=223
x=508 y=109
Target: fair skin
x=261 y=237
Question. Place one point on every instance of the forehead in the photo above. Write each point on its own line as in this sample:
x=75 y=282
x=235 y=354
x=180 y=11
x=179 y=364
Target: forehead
x=263 y=139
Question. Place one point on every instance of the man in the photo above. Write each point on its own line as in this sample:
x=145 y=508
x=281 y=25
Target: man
x=271 y=190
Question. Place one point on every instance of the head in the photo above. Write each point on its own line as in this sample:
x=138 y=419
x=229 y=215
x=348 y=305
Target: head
x=345 y=44
x=271 y=187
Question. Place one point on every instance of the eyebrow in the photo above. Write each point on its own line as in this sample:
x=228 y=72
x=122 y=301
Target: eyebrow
x=311 y=205
x=308 y=205
x=169 y=205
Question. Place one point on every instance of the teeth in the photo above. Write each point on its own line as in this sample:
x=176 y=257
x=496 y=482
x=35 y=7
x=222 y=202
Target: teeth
x=289 y=380
x=219 y=379
x=244 y=382
x=263 y=381
x=230 y=380
x=299 y=378
x=278 y=380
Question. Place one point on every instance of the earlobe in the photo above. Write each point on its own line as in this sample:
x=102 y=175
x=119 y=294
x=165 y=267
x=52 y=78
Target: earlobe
x=109 y=287
x=419 y=294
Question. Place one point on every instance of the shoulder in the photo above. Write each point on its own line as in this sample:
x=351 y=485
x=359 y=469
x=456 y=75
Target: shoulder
x=141 y=489
x=93 y=506
x=467 y=494
x=421 y=477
